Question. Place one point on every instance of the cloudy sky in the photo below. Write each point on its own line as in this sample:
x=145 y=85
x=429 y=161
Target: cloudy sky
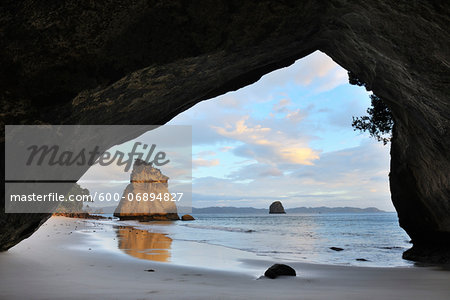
x=287 y=137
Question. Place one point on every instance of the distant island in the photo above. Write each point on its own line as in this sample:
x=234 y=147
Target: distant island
x=295 y=210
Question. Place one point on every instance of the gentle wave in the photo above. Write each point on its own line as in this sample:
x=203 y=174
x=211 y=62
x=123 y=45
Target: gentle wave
x=221 y=228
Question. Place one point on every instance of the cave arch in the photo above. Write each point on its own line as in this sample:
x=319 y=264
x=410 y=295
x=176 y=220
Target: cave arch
x=271 y=128
x=140 y=63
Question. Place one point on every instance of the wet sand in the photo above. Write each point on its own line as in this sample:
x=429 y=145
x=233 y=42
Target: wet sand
x=88 y=259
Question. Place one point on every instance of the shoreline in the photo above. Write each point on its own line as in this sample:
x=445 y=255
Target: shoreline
x=81 y=259
x=307 y=247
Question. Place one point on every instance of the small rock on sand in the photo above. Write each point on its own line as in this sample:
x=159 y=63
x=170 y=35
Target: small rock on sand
x=361 y=259
x=336 y=249
x=279 y=270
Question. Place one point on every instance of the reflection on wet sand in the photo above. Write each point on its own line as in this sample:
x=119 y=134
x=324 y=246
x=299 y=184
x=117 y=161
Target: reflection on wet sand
x=143 y=244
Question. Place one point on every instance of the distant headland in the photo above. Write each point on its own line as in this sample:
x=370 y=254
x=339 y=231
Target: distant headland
x=295 y=210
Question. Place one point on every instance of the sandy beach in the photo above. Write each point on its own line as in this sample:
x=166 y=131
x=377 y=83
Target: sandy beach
x=88 y=259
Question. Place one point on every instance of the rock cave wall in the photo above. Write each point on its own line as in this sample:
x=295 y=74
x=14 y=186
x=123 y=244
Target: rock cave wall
x=143 y=62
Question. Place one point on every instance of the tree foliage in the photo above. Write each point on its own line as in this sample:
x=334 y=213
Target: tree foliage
x=378 y=122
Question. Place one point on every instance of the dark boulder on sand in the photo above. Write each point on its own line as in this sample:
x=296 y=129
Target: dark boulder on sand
x=279 y=270
x=276 y=208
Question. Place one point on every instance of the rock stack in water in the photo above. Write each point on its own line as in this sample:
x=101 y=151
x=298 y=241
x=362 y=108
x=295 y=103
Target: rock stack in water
x=187 y=218
x=276 y=208
x=147 y=197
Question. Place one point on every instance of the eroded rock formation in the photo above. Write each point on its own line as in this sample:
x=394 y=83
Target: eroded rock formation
x=137 y=62
x=147 y=197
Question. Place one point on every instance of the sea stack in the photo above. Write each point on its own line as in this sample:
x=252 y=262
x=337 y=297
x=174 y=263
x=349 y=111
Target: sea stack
x=276 y=208
x=147 y=197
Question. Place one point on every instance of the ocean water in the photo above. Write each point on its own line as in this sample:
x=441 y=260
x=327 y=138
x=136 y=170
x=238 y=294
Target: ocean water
x=374 y=238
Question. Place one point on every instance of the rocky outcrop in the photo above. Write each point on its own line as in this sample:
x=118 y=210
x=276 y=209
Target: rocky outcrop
x=187 y=218
x=428 y=254
x=279 y=270
x=138 y=62
x=276 y=208
x=81 y=215
x=147 y=197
